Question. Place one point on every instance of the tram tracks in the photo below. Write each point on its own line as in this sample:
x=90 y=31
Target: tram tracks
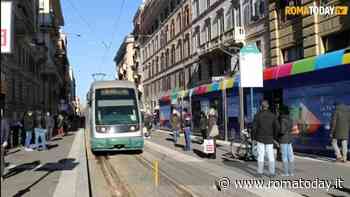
x=119 y=187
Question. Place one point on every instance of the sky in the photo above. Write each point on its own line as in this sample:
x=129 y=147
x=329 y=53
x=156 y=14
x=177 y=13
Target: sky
x=102 y=26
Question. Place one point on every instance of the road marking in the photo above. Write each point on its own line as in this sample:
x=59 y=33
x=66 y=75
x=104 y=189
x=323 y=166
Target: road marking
x=172 y=153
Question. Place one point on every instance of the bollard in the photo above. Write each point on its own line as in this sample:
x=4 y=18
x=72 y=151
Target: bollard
x=156 y=173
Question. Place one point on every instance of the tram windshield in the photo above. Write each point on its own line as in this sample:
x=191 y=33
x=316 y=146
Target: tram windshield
x=116 y=106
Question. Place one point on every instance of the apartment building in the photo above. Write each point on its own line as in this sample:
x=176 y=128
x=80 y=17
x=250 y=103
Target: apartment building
x=33 y=74
x=189 y=43
x=124 y=59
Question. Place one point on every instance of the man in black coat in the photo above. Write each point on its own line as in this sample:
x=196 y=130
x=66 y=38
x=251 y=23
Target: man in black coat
x=265 y=130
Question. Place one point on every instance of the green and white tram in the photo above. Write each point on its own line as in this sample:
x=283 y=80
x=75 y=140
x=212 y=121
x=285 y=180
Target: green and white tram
x=114 y=115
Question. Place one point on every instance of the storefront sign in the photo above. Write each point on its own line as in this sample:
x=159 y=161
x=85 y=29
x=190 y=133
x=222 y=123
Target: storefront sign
x=6 y=27
x=251 y=67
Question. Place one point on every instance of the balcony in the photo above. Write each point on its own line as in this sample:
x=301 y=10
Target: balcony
x=46 y=22
x=24 y=18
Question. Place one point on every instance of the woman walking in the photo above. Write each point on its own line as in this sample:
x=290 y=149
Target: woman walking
x=213 y=129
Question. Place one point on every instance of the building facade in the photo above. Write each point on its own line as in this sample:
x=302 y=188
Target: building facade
x=297 y=37
x=184 y=44
x=124 y=60
x=33 y=74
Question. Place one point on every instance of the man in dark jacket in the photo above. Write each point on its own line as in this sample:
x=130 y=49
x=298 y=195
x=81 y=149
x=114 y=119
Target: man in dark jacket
x=5 y=130
x=265 y=129
x=340 y=131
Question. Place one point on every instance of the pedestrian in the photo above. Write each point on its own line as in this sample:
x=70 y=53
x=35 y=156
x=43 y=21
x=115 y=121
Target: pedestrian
x=40 y=131
x=50 y=123
x=285 y=140
x=28 y=127
x=175 y=125
x=187 y=129
x=5 y=131
x=148 y=123
x=265 y=128
x=213 y=129
x=60 y=124
x=340 y=131
x=203 y=123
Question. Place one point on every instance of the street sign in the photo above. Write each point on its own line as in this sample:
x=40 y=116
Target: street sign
x=251 y=67
x=6 y=27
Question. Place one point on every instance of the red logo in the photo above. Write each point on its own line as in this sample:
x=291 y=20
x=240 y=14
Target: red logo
x=3 y=37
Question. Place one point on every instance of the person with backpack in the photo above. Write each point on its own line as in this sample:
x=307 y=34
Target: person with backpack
x=285 y=139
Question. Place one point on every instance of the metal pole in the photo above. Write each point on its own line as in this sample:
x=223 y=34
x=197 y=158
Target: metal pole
x=252 y=103
x=241 y=106
x=224 y=93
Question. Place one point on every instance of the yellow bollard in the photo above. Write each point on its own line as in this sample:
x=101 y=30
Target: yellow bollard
x=156 y=173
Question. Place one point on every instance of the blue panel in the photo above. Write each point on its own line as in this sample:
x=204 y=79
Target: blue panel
x=329 y=59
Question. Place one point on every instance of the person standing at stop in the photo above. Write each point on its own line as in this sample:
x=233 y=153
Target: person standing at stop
x=265 y=130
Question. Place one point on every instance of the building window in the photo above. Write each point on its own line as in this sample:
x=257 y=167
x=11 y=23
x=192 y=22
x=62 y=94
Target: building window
x=247 y=15
x=172 y=55
x=229 y=18
x=157 y=64
x=292 y=53
x=167 y=61
x=220 y=25
x=196 y=8
x=208 y=4
x=207 y=30
x=179 y=51
x=166 y=32
x=187 y=17
x=178 y=24
x=336 y=41
x=172 y=29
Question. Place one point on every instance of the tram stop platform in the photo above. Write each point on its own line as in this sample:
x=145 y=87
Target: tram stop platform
x=59 y=171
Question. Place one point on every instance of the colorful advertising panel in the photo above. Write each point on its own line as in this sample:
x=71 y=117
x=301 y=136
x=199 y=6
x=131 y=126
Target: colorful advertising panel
x=311 y=107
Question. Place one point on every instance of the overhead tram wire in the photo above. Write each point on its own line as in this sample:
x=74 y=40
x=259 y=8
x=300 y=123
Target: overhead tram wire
x=76 y=11
x=116 y=24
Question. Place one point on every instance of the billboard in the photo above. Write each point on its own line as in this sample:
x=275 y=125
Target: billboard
x=251 y=67
x=6 y=27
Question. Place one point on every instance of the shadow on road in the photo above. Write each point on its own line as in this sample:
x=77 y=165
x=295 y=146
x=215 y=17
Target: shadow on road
x=61 y=165
x=21 y=168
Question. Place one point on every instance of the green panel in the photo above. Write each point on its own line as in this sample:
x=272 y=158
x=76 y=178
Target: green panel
x=130 y=143
x=304 y=65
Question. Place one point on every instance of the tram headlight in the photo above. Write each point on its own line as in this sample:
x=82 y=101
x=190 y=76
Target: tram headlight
x=100 y=129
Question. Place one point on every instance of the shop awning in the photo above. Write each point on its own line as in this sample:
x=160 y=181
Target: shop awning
x=327 y=60
x=332 y=59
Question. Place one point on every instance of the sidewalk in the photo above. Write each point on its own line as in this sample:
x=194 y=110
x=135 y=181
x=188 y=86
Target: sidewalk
x=226 y=145
x=306 y=168
x=59 y=171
